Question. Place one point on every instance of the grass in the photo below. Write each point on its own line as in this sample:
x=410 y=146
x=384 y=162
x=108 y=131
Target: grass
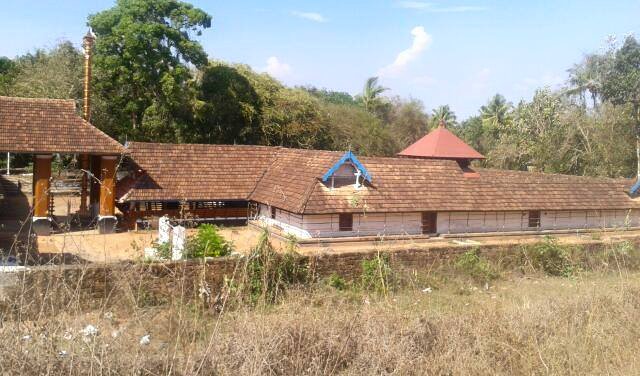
x=449 y=319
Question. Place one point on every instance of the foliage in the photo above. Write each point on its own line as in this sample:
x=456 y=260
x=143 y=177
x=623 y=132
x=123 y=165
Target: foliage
x=371 y=92
x=337 y=282
x=266 y=274
x=550 y=257
x=476 y=266
x=54 y=73
x=207 y=243
x=142 y=52
x=163 y=250
x=377 y=274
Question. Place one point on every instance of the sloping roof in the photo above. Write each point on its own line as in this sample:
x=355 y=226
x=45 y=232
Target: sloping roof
x=196 y=172
x=33 y=125
x=291 y=179
x=406 y=184
x=441 y=144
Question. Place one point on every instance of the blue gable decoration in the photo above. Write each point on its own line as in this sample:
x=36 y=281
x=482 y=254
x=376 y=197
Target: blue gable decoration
x=348 y=157
x=636 y=188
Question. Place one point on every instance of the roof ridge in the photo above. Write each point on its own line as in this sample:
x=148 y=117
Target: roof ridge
x=35 y=99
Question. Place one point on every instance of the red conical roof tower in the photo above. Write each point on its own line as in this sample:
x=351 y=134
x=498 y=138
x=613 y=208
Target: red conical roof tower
x=441 y=144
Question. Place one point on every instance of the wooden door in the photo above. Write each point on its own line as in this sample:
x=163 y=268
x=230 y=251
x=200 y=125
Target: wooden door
x=346 y=222
x=429 y=222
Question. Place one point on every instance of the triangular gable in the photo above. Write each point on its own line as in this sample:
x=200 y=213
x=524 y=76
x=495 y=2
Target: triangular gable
x=348 y=157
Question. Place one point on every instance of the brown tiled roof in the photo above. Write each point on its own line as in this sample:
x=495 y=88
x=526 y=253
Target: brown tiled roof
x=291 y=180
x=197 y=172
x=33 y=125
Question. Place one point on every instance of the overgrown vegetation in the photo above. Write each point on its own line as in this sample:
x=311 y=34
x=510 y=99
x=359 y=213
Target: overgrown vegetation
x=476 y=266
x=274 y=316
x=267 y=274
x=207 y=243
x=377 y=274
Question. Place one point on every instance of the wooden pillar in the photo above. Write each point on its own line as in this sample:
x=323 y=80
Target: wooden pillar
x=42 y=184
x=84 y=185
x=42 y=180
x=107 y=219
x=108 y=186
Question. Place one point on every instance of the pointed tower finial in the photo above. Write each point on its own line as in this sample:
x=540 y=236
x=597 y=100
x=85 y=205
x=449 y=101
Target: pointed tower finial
x=87 y=45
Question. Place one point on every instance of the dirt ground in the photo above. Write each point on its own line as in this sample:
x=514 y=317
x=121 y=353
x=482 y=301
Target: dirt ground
x=93 y=247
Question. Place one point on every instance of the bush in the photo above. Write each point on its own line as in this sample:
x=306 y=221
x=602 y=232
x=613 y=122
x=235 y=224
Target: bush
x=267 y=275
x=476 y=266
x=207 y=243
x=377 y=274
x=337 y=282
x=163 y=250
x=550 y=257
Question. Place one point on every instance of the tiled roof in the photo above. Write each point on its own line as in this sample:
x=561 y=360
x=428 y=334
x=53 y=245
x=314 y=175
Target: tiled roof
x=291 y=180
x=197 y=172
x=441 y=144
x=30 y=125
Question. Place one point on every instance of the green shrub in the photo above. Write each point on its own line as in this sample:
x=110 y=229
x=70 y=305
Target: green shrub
x=207 y=243
x=337 y=282
x=550 y=257
x=476 y=266
x=377 y=274
x=163 y=250
x=267 y=274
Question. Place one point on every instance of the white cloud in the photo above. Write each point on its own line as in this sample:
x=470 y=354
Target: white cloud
x=276 y=68
x=312 y=16
x=421 y=41
x=433 y=8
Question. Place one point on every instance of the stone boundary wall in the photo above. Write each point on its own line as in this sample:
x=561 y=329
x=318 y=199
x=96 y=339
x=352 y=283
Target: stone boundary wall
x=50 y=290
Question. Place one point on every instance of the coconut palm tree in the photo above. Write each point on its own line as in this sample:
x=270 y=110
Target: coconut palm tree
x=371 y=92
x=443 y=113
x=496 y=113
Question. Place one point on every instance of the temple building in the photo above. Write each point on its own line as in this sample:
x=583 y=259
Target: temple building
x=429 y=189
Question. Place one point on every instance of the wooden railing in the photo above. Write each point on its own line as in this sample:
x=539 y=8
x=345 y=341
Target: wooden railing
x=187 y=214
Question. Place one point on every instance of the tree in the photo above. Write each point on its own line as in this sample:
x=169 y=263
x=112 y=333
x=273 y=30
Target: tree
x=495 y=114
x=7 y=73
x=622 y=85
x=331 y=96
x=370 y=97
x=55 y=73
x=408 y=121
x=142 y=52
x=443 y=113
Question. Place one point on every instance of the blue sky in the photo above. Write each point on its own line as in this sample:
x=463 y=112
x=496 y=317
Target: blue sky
x=441 y=52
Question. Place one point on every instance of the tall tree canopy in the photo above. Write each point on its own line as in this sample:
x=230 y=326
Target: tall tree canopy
x=622 y=85
x=142 y=52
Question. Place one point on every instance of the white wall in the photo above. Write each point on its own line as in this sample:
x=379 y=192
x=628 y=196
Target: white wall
x=327 y=225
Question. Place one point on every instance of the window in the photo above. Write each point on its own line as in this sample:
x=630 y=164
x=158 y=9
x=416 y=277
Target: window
x=534 y=218
x=273 y=212
x=346 y=222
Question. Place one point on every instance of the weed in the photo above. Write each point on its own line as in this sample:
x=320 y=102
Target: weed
x=337 y=282
x=266 y=274
x=377 y=274
x=550 y=257
x=476 y=266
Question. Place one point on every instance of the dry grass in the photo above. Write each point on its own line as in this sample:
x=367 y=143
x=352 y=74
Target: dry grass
x=521 y=323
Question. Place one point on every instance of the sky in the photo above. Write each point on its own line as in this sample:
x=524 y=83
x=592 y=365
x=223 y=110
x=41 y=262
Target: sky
x=457 y=52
